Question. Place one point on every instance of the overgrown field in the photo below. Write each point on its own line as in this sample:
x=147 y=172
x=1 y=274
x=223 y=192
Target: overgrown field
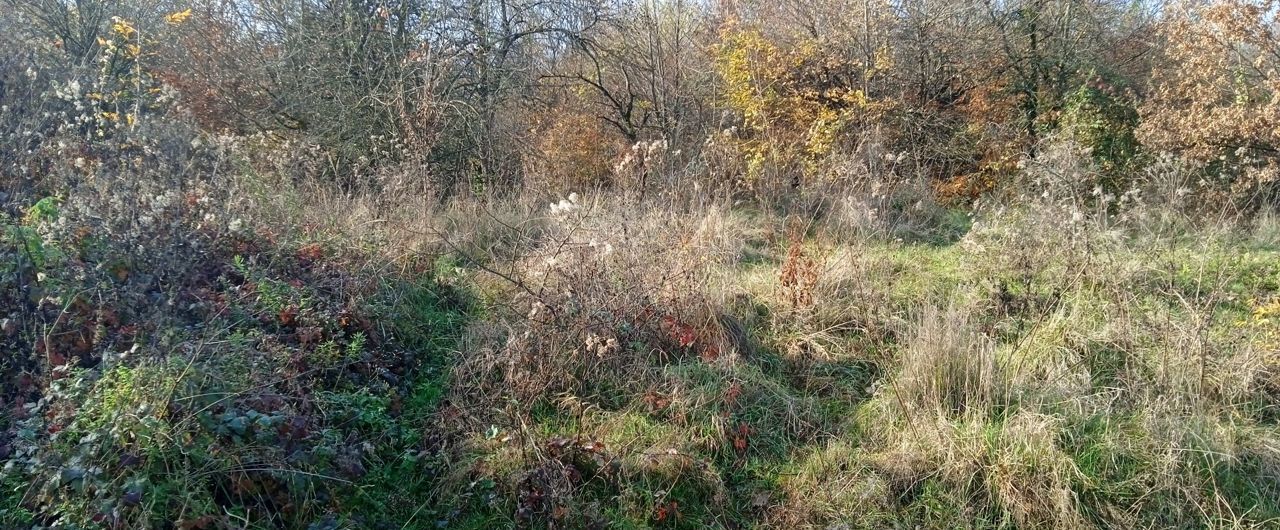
x=625 y=264
x=608 y=363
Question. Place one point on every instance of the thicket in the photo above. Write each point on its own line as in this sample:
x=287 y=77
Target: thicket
x=474 y=96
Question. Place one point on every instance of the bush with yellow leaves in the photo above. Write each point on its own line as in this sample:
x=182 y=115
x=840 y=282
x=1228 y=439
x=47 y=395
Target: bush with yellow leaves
x=797 y=102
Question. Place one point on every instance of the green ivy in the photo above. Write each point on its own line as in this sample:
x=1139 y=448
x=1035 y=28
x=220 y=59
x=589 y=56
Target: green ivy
x=1103 y=122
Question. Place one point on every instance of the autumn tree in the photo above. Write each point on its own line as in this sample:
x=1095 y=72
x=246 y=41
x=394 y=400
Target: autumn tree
x=1215 y=98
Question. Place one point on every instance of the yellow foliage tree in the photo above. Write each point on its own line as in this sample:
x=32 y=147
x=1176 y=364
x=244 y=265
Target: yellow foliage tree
x=795 y=102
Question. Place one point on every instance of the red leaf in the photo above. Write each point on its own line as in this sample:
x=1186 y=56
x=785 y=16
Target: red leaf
x=667 y=511
x=682 y=333
x=55 y=358
x=711 y=352
x=740 y=438
x=687 y=336
x=309 y=335
x=311 y=252
x=288 y=316
x=731 y=395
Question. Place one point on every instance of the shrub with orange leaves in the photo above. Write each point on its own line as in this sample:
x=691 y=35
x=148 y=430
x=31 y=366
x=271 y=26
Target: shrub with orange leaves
x=799 y=275
x=1215 y=99
x=574 y=151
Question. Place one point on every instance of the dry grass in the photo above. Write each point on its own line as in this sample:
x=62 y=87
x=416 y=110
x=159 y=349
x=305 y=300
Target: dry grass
x=670 y=363
x=1042 y=372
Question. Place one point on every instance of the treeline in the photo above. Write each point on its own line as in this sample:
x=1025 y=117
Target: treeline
x=745 y=97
